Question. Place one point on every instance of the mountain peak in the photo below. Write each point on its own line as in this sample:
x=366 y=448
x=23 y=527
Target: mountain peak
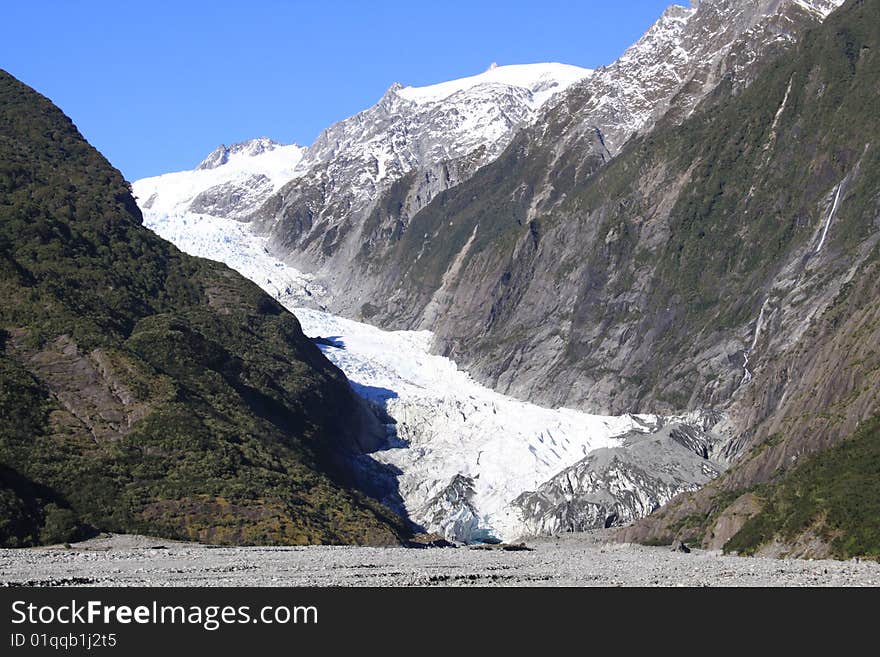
x=249 y=148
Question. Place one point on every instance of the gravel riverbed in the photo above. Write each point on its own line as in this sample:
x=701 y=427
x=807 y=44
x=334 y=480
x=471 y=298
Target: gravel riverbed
x=569 y=560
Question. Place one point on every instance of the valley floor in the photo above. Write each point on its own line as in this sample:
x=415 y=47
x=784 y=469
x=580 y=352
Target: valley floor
x=569 y=560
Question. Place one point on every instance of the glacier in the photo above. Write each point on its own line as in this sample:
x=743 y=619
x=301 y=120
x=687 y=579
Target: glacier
x=464 y=453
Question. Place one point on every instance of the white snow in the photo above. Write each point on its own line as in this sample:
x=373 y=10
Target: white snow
x=173 y=192
x=541 y=80
x=232 y=242
x=820 y=8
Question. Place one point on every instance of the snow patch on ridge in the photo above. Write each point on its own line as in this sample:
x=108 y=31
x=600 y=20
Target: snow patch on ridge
x=541 y=80
x=174 y=192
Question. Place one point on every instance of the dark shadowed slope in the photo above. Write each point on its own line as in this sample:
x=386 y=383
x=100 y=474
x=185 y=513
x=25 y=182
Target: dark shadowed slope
x=141 y=389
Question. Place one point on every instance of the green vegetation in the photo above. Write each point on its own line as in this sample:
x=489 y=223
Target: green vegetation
x=834 y=495
x=145 y=390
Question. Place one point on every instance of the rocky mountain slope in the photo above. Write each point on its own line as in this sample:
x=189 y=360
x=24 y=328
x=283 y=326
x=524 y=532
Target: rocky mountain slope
x=145 y=390
x=811 y=374
x=348 y=240
x=726 y=261
x=337 y=179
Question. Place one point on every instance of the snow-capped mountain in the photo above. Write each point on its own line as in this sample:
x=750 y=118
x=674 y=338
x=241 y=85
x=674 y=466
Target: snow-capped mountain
x=321 y=205
x=228 y=183
x=343 y=221
x=424 y=139
x=414 y=128
x=682 y=57
x=409 y=128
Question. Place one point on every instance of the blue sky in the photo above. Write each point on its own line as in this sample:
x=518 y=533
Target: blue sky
x=157 y=85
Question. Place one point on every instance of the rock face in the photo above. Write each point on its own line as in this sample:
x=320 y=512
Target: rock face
x=144 y=390
x=810 y=372
x=614 y=486
x=731 y=520
x=349 y=219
